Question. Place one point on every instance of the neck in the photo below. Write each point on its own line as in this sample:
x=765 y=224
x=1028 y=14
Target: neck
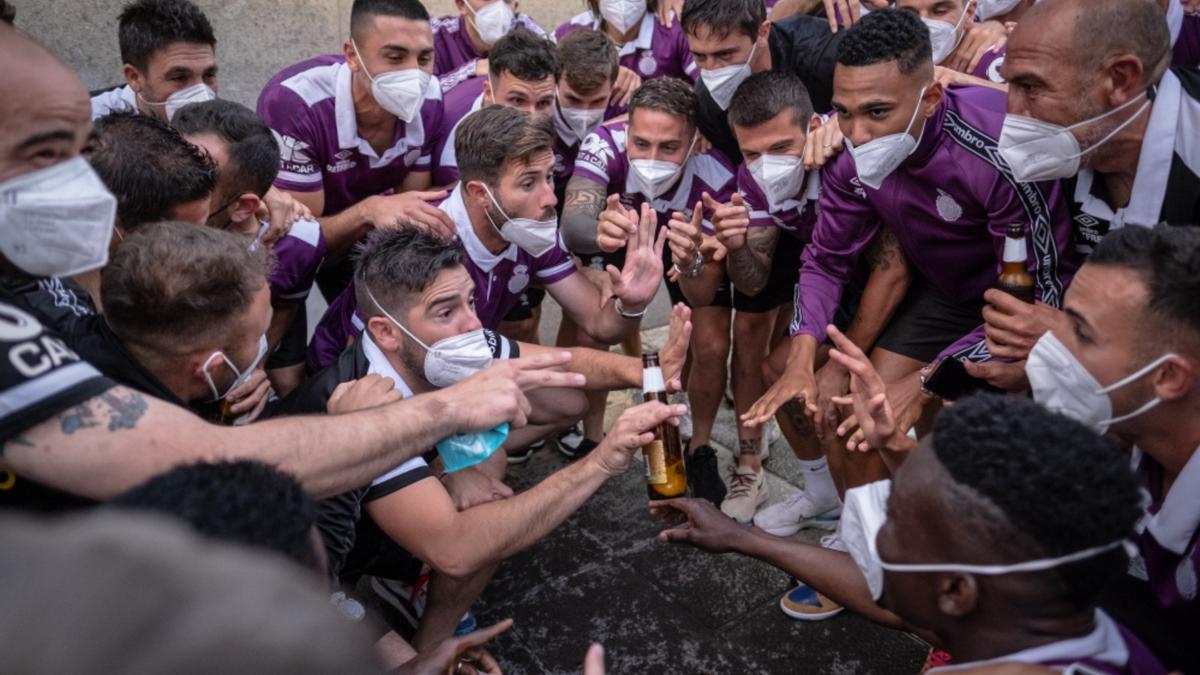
x=91 y=283
x=415 y=381
x=473 y=35
x=621 y=38
x=368 y=114
x=178 y=381
x=1005 y=633
x=762 y=57
x=1117 y=160
x=1170 y=437
x=484 y=229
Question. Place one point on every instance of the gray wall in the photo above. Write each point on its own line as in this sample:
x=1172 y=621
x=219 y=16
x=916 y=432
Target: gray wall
x=255 y=38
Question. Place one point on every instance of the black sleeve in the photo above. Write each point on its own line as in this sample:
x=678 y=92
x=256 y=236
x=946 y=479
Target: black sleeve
x=502 y=347
x=714 y=125
x=804 y=46
x=39 y=375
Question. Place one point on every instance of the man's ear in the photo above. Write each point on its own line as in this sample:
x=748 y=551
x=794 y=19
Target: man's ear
x=488 y=99
x=461 y=6
x=814 y=123
x=384 y=333
x=1122 y=77
x=245 y=208
x=134 y=78
x=475 y=192
x=351 y=57
x=764 y=30
x=969 y=19
x=957 y=594
x=932 y=99
x=1176 y=379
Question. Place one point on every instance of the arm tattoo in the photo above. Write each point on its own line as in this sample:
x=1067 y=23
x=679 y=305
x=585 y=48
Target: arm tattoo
x=582 y=206
x=750 y=266
x=122 y=409
x=885 y=251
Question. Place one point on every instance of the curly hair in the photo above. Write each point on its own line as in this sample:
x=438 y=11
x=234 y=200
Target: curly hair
x=884 y=36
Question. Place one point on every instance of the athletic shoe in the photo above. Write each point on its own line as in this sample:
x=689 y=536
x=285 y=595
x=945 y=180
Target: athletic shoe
x=524 y=454
x=685 y=422
x=704 y=477
x=747 y=492
x=806 y=604
x=467 y=624
x=796 y=513
x=585 y=446
x=571 y=438
x=833 y=541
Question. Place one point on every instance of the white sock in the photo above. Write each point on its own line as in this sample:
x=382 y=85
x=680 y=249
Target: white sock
x=818 y=484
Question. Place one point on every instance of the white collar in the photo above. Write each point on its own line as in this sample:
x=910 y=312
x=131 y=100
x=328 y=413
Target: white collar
x=456 y=208
x=378 y=364
x=449 y=154
x=1105 y=644
x=1177 y=521
x=1153 y=168
x=644 y=39
x=347 y=121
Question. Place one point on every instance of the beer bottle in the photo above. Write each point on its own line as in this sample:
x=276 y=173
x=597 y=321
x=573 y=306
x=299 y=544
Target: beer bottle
x=666 y=476
x=1014 y=273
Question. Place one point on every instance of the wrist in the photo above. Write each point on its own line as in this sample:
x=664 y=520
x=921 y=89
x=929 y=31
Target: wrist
x=629 y=310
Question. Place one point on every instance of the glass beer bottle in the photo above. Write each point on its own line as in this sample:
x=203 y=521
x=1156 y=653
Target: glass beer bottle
x=666 y=476
x=1014 y=271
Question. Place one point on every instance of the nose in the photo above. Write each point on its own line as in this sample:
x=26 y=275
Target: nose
x=856 y=133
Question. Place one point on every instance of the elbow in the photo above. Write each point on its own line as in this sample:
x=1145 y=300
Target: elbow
x=454 y=565
x=578 y=237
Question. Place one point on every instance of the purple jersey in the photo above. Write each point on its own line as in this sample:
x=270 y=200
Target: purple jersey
x=310 y=108
x=796 y=216
x=499 y=278
x=989 y=66
x=603 y=159
x=949 y=205
x=1169 y=544
x=298 y=257
x=1186 y=51
x=1108 y=649
x=452 y=44
x=657 y=51
x=460 y=101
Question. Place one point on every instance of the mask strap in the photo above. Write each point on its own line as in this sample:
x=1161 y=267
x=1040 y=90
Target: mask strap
x=393 y=319
x=212 y=386
x=360 y=61
x=916 y=111
x=996 y=570
x=499 y=208
x=1137 y=375
x=1120 y=126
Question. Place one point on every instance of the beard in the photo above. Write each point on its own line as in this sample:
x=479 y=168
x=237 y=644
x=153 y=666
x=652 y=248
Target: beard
x=412 y=355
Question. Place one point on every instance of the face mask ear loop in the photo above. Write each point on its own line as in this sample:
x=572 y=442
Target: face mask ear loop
x=1116 y=131
x=393 y=319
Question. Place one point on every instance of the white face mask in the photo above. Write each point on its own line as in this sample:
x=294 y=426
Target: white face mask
x=535 y=237
x=400 y=92
x=493 y=21
x=622 y=14
x=574 y=124
x=1038 y=151
x=56 y=221
x=197 y=93
x=868 y=506
x=779 y=176
x=242 y=376
x=876 y=160
x=1061 y=384
x=990 y=9
x=655 y=176
x=722 y=83
x=450 y=360
x=944 y=36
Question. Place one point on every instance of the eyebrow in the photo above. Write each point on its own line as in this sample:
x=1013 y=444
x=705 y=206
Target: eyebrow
x=1074 y=314
x=443 y=299
x=47 y=137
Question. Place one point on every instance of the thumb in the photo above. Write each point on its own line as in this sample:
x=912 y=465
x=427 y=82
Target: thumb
x=481 y=636
x=709 y=201
x=737 y=199
x=697 y=216
x=502 y=489
x=614 y=201
x=593 y=664
x=432 y=196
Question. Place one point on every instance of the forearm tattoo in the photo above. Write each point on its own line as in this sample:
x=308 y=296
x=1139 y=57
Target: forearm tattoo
x=581 y=210
x=885 y=251
x=750 y=266
x=117 y=409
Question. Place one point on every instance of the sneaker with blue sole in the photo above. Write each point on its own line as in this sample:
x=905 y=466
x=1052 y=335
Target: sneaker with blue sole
x=804 y=603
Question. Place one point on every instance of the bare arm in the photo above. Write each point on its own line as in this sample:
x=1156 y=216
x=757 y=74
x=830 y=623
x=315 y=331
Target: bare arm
x=582 y=205
x=786 y=8
x=749 y=267
x=581 y=300
x=886 y=287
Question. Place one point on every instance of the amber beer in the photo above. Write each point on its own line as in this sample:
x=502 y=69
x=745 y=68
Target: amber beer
x=666 y=476
x=1014 y=273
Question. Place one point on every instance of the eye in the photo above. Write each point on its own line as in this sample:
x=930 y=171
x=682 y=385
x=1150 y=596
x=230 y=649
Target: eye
x=879 y=114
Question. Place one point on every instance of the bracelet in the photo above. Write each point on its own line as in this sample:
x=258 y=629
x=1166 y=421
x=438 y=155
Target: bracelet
x=623 y=313
x=697 y=268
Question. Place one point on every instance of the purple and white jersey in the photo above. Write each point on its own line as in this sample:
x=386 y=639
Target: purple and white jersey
x=657 y=51
x=989 y=66
x=452 y=43
x=499 y=278
x=298 y=257
x=796 y=217
x=121 y=99
x=310 y=108
x=1108 y=649
x=461 y=101
x=603 y=159
x=1170 y=534
x=948 y=205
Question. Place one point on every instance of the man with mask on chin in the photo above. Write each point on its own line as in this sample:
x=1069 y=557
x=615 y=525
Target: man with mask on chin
x=1092 y=100
x=994 y=541
x=357 y=130
x=650 y=162
x=420 y=297
x=1127 y=362
x=954 y=34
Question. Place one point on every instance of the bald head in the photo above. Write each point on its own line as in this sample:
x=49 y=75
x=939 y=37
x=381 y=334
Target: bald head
x=51 y=119
x=1098 y=30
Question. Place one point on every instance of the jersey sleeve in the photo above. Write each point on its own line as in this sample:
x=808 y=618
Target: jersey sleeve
x=599 y=160
x=397 y=479
x=41 y=376
x=502 y=347
x=555 y=265
x=298 y=257
x=300 y=137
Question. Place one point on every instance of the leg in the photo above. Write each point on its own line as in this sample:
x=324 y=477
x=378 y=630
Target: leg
x=748 y=486
x=706 y=381
x=449 y=599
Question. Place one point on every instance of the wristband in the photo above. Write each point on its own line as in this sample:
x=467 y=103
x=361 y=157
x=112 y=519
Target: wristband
x=697 y=268
x=623 y=313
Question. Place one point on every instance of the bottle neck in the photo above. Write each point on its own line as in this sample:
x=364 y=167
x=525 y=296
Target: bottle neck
x=1015 y=251
x=652 y=380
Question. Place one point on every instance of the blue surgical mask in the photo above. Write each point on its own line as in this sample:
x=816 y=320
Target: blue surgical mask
x=466 y=450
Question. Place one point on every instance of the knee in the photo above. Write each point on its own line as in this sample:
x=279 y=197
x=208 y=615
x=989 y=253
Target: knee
x=710 y=348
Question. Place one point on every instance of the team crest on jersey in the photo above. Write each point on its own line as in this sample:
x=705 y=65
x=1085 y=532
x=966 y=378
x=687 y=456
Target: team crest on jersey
x=993 y=71
x=858 y=188
x=342 y=162
x=519 y=280
x=292 y=150
x=947 y=208
x=597 y=152
x=647 y=64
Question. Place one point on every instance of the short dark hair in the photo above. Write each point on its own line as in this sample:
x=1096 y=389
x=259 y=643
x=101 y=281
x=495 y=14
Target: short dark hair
x=7 y=12
x=243 y=502
x=589 y=60
x=253 y=153
x=399 y=262
x=764 y=95
x=1107 y=28
x=146 y=26
x=529 y=57
x=170 y=285
x=669 y=95
x=723 y=17
x=362 y=10
x=149 y=167
x=1061 y=486
x=887 y=35
x=491 y=138
x=1167 y=258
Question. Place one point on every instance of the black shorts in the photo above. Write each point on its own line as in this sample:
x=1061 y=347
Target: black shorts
x=293 y=347
x=598 y=262
x=781 y=284
x=926 y=323
x=530 y=299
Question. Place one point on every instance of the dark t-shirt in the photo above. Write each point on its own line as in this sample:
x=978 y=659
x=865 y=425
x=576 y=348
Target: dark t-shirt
x=96 y=343
x=801 y=45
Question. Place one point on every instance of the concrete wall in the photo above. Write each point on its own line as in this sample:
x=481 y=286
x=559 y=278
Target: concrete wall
x=255 y=38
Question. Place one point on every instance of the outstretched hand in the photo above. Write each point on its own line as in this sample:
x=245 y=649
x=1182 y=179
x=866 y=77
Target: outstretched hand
x=707 y=528
x=637 y=281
